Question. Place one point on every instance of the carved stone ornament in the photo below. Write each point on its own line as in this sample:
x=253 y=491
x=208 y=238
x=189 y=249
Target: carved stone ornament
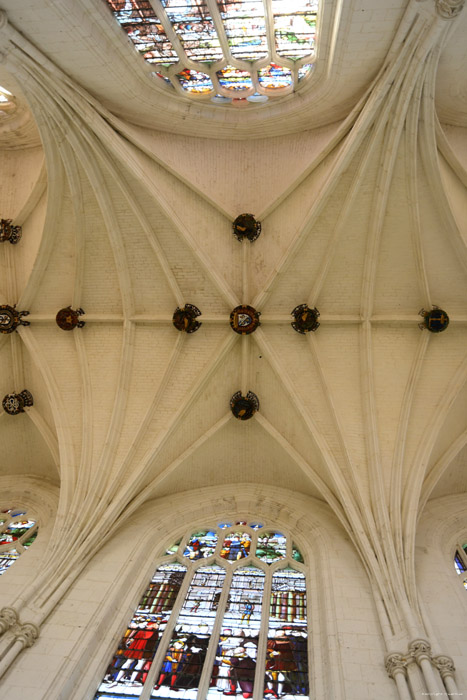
x=448 y=9
x=185 y=319
x=246 y=226
x=445 y=665
x=9 y=233
x=420 y=649
x=15 y=403
x=27 y=634
x=306 y=319
x=68 y=318
x=244 y=407
x=395 y=663
x=10 y=319
x=435 y=320
x=244 y=319
x=8 y=618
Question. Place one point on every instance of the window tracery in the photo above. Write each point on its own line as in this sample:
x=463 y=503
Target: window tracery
x=224 y=614
x=227 y=50
x=17 y=533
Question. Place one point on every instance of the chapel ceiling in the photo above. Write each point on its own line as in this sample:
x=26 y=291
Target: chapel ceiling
x=363 y=222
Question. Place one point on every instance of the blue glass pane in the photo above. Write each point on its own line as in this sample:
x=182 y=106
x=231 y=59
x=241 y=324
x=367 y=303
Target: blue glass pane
x=274 y=77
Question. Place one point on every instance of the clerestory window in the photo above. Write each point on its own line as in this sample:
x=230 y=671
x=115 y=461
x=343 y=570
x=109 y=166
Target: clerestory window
x=17 y=533
x=223 y=50
x=225 y=614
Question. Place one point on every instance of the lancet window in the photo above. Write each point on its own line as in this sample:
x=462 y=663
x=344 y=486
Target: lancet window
x=460 y=562
x=225 y=613
x=17 y=532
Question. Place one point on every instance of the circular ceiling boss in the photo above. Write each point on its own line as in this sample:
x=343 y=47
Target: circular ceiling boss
x=244 y=407
x=185 y=319
x=306 y=319
x=244 y=319
x=68 y=318
x=435 y=320
x=15 y=403
x=10 y=319
x=246 y=226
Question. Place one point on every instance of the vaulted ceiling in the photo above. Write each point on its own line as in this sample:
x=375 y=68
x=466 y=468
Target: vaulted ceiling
x=127 y=196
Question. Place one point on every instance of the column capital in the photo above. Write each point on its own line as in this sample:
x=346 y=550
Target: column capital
x=445 y=665
x=27 y=634
x=448 y=9
x=395 y=663
x=420 y=649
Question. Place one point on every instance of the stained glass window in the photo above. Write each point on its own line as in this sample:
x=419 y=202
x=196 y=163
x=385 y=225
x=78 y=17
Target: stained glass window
x=17 y=533
x=216 y=34
x=204 y=627
x=460 y=562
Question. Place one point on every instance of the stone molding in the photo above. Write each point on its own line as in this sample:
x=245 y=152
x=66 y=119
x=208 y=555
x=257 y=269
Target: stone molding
x=448 y=9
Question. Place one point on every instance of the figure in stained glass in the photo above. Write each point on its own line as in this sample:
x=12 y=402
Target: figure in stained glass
x=132 y=661
x=236 y=546
x=236 y=612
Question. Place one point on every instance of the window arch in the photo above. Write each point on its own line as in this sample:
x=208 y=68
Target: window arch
x=460 y=561
x=225 y=613
x=17 y=533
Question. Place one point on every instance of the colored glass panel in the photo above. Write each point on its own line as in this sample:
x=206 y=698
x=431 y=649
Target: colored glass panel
x=192 y=22
x=245 y=28
x=138 y=19
x=164 y=78
x=235 y=664
x=223 y=526
x=201 y=545
x=304 y=70
x=256 y=526
x=7 y=559
x=287 y=646
x=195 y=82
x=132 y=661
x=173 y=549
x=236 y=546
x=296 y=554
x=234 y=79
x=294 y=32
x=183 y=663
x=273 y=77
x=17 y=529
x=459 y=564
x=271 y=547
x=30 y=540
